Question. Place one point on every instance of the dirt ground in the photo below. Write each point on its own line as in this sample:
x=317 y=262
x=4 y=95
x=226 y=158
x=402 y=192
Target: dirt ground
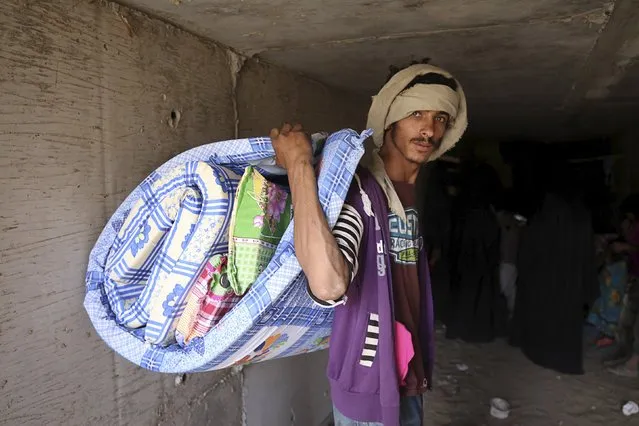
x=538 y=397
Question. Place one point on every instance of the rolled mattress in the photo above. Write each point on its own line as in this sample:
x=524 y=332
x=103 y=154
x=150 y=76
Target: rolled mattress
x=151 y=252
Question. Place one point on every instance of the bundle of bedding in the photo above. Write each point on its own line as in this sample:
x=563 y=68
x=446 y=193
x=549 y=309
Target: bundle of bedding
x=196 y=270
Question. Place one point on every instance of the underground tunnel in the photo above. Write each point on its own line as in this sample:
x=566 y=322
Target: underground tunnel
x=96 y=95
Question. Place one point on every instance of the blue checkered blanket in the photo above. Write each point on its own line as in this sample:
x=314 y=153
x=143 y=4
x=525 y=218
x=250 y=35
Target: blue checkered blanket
x=177 y=218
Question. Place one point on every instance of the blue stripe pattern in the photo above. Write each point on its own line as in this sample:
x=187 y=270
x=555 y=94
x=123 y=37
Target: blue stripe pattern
x=277 y=303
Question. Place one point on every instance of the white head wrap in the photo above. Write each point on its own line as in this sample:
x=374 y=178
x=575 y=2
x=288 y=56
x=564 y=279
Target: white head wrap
x=394 y=103
x=423 y=97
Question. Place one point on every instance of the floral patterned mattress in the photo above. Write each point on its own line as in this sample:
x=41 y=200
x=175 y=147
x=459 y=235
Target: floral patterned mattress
x=160 y=241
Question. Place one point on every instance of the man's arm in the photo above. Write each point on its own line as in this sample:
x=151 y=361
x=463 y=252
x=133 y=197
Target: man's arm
x=348 y=232
x=316 y=248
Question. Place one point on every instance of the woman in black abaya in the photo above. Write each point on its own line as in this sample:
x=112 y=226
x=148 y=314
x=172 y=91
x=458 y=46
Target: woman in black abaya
x=557 y=280
x=478 y=312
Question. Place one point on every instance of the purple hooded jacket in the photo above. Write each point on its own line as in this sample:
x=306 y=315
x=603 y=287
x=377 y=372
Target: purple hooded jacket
x=361 y=369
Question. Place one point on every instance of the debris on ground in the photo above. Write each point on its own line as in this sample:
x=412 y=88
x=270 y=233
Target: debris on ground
x=630 y=408
x=179 y=379
x=499 y=408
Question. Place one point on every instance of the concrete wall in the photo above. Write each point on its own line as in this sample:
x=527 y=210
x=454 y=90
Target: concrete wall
x=87 y=90
x=289 y=391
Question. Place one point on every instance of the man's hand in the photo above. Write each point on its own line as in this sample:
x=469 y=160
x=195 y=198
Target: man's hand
x=315 y=246
x=292 y=146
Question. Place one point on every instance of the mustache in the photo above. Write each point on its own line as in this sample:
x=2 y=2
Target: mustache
x=436 y=143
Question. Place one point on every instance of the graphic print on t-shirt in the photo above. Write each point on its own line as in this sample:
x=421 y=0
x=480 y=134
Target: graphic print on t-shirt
x=405 y=239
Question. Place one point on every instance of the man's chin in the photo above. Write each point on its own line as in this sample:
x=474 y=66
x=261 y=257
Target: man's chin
x=422 y=152
x=422 y=158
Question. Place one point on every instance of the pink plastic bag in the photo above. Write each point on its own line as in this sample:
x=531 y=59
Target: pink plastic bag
x=404 y=351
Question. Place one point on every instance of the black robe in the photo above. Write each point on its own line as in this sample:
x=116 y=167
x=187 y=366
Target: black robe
x=478 y=311
x=435 y=210
x=557 y=281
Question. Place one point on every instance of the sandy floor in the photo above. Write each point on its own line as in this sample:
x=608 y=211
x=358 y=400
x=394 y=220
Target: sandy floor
x=538 y=397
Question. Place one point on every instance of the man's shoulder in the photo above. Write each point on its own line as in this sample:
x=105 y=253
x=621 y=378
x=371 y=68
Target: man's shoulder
x=363 y=182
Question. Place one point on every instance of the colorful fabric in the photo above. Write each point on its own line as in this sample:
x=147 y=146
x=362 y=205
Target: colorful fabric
x=606 y=310
x=276 y=303
x=166 y=237
x=194 y=301
x=209 y=300
x=628 y=329
x=260 y=217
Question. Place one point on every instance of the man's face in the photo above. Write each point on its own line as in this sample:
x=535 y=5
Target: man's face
x=418 y=136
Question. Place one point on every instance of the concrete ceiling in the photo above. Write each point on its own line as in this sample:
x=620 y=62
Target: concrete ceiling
x=554 y=69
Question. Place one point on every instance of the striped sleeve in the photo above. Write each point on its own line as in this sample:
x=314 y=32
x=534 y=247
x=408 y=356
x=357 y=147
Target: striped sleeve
x=348 y=232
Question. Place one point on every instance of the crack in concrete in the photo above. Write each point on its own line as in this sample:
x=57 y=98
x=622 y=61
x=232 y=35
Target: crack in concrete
x=607 y=8
x=236 y=63
x=234 y=371
x=418 y=34
x=611 y=55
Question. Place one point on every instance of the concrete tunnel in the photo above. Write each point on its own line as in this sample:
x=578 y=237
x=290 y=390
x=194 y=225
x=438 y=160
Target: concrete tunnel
x=95 y=95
